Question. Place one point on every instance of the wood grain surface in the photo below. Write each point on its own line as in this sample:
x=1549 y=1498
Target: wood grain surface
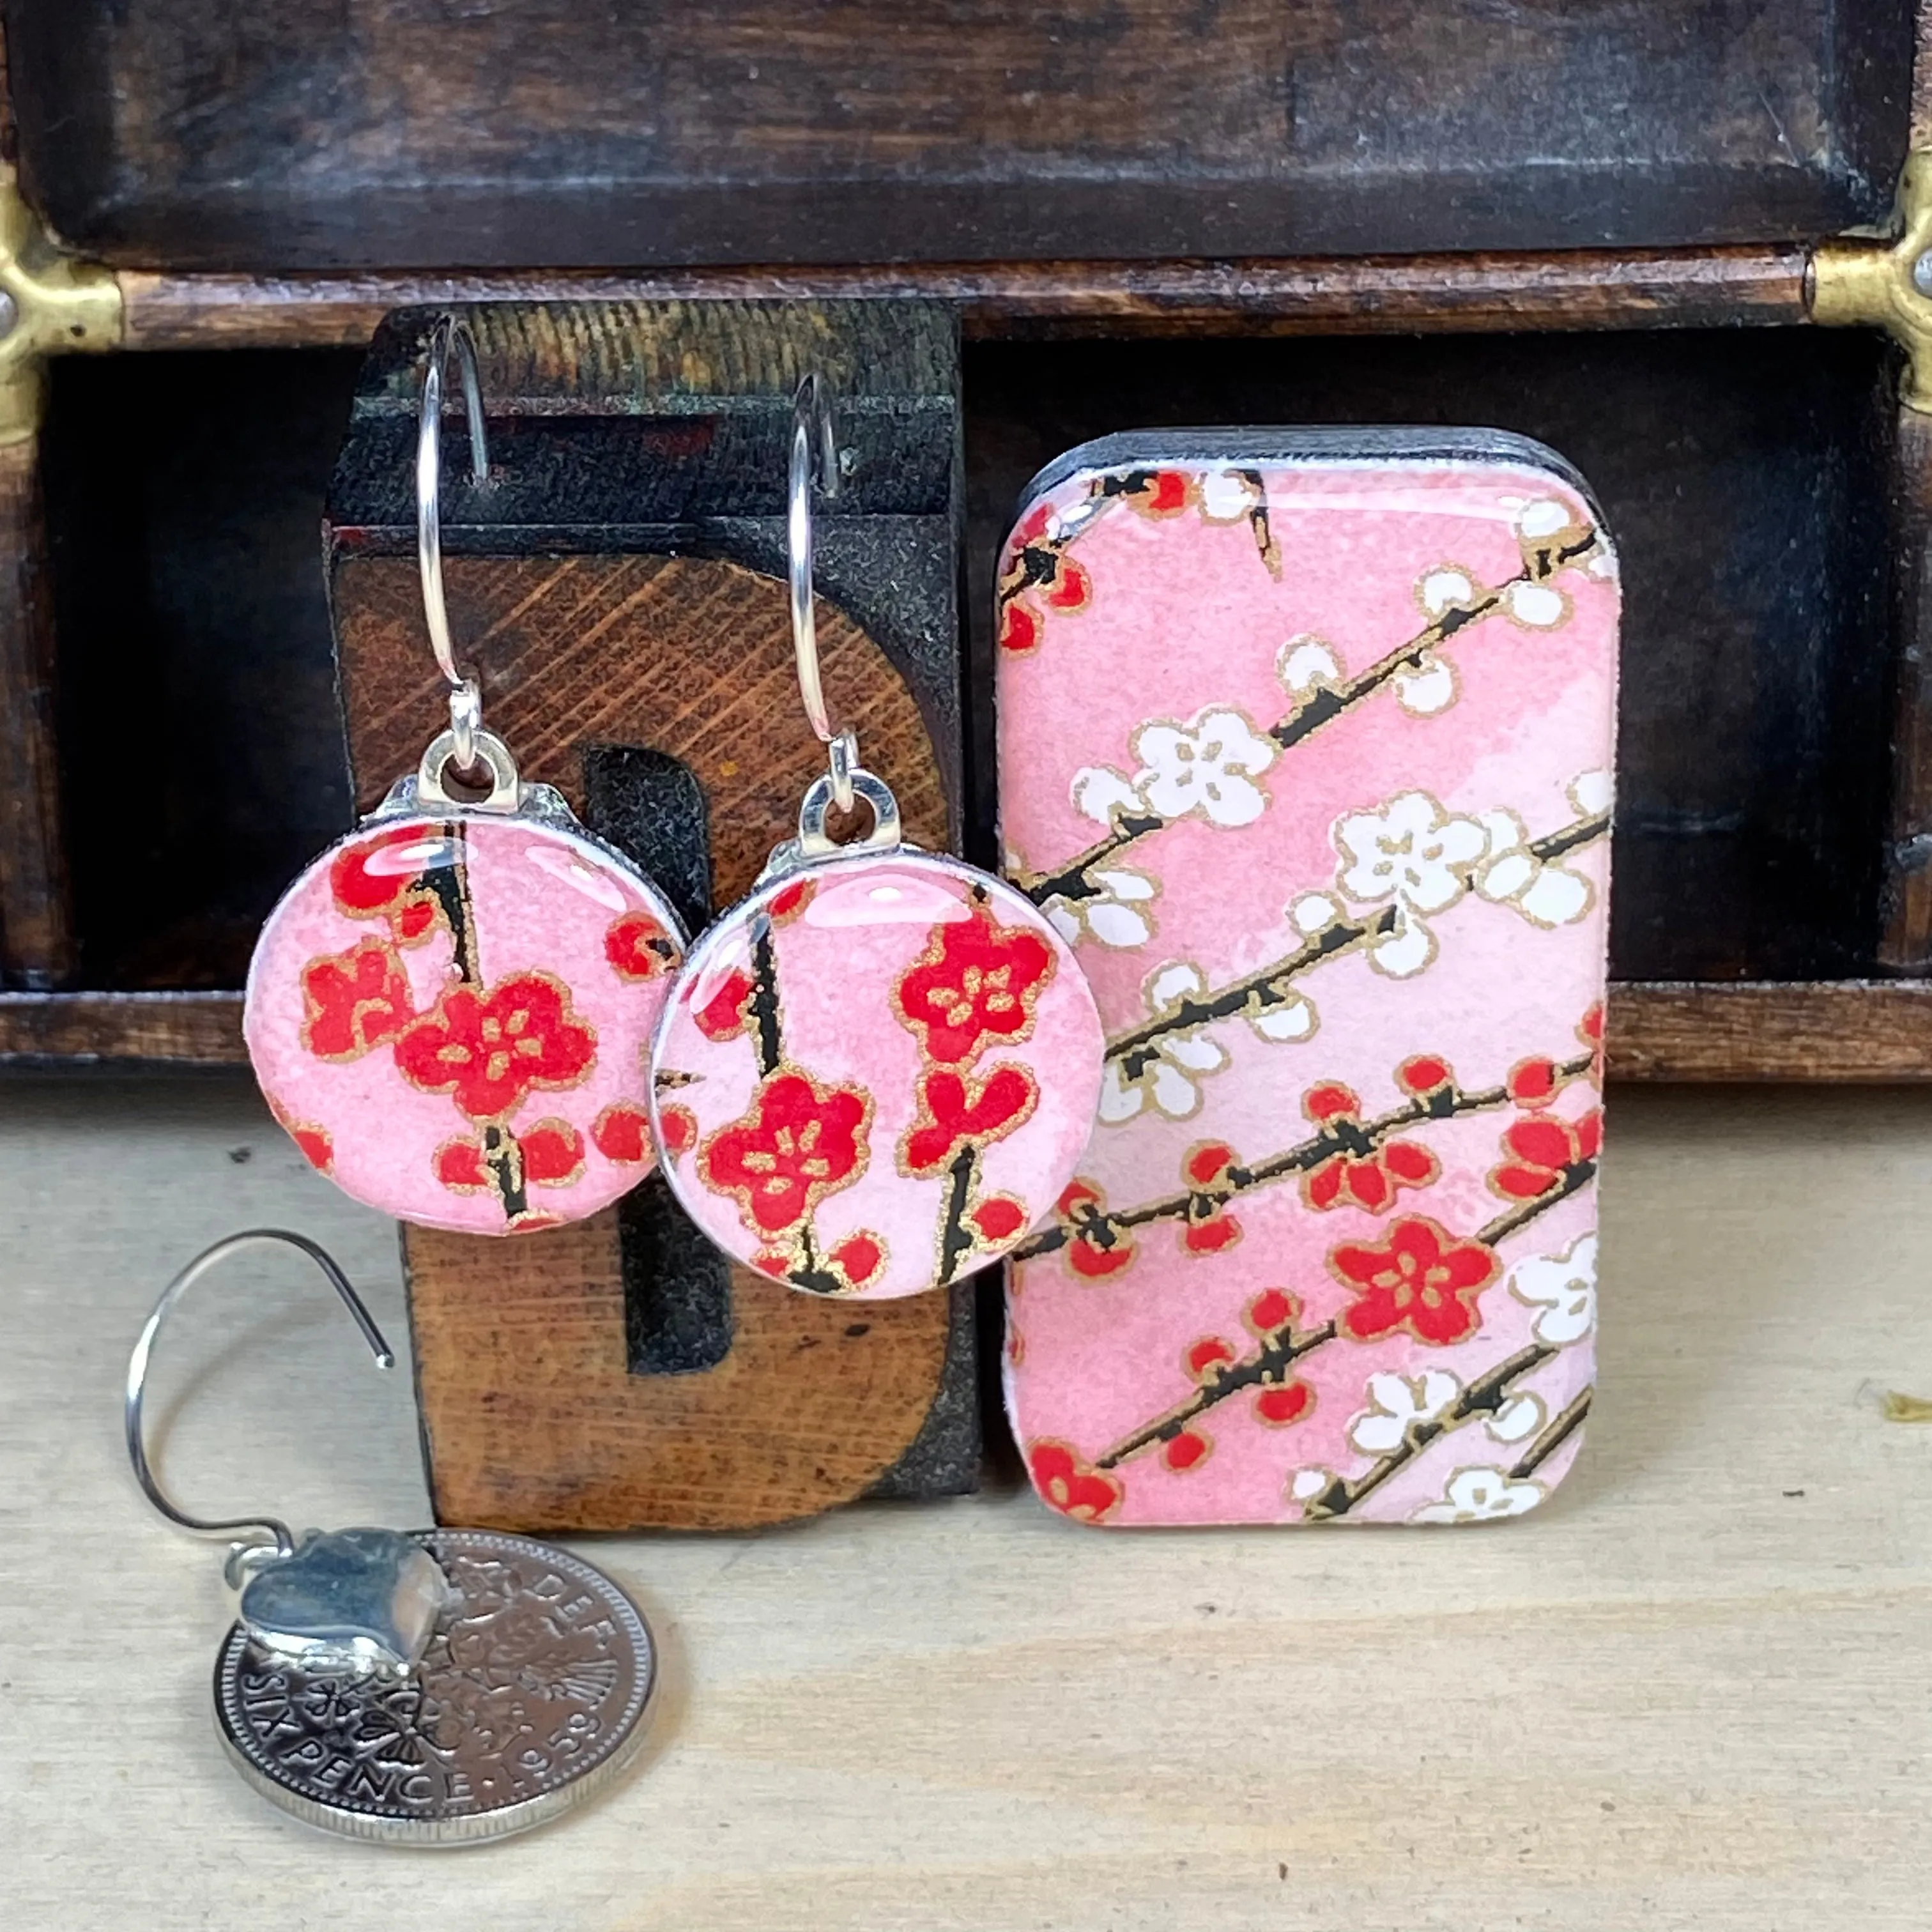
x=530 y=1415
x=1859 y=1031
x=380 y=133
x=1690 y=1695
x=36 y=926
x=1564 y=288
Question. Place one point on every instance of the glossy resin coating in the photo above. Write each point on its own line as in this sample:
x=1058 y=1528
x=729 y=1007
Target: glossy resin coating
x=875 y=1074
x=1311 y=758
x=451 y=1014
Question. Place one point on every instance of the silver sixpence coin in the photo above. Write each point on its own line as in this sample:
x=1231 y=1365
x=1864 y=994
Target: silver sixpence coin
x=530 y=1698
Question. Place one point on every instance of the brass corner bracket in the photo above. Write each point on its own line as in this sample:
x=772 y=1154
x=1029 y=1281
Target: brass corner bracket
x=1887 y=285
x=50 y=304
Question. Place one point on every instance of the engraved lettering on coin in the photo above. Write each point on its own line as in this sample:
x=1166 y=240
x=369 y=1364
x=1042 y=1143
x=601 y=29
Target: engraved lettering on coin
x=528 y=1696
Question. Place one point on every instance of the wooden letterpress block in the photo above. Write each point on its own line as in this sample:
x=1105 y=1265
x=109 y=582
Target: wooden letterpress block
x=618 y=585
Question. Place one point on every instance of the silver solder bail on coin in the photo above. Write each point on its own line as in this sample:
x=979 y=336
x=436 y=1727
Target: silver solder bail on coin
x=431 y=1688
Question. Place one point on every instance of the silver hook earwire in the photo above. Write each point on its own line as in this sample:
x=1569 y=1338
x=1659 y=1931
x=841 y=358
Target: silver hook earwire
x=144 y=1349
x=451 y=336
x=814 y=446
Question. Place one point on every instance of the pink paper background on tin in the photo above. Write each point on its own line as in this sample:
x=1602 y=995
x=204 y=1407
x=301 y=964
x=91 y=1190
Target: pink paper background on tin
x=812 y=1128
x=1313 y=762
x=495 y=1087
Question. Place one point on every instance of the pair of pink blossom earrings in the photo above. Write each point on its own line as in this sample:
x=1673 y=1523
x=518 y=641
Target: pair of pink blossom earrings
x=870 y=1077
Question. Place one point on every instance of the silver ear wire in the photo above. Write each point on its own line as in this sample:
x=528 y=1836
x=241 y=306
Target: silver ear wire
x=144 y=1349
x=451 y=336
x=814 y=449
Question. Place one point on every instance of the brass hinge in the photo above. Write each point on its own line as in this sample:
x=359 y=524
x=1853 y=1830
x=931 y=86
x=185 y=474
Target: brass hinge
x=50 y=304
x=1854 y=284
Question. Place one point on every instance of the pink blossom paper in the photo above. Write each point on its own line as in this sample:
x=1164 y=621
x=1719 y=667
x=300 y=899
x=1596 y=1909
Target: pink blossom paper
x=1311 y=762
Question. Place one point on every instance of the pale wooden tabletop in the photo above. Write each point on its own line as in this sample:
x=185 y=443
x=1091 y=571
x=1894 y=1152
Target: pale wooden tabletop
x=1695 y=1691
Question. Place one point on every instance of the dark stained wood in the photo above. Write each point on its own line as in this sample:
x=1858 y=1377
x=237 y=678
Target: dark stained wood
x=1842 y=1031
x=376 y=133
x=77 y=1029
x=601 y=586
x=1906 y=946
x=1574 y=289
x=37 y=946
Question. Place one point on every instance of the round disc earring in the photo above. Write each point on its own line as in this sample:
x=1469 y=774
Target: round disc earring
x=449 y=1009
x=879 y=1070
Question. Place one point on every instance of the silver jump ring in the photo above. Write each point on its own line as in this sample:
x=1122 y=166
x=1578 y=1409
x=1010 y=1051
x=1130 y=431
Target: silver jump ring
x=450 y=337
x=144 y=1349
x=814 y=446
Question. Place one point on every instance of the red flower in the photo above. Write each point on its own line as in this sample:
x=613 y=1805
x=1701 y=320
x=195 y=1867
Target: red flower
x=998 y=1218
x=790 y=901
x=317 y=1143
x=1187 y=1450
x=1210 y=1233
x=1369 y=1179
x=1069 y=588
x=366 y=885
x=1422 y=1278
x=799 y=1142
x=1161 y=493
x=1209 y=1227
x=354 y=1001
x=553 y=1153
x=975 y=979
x=1271 y=1311
x=622 y=1132
x=1533 y=1083
x=488 y=1050
x=677 y=1128
x=722 y=1016
x=1280 y=1403
x=1590 y=1031
x=951 y=1116
x=1087 y=1495
x=1019 y=628
x=1096 y=1249
x=638 y=947
x=1203 y=1360
x=858 y=1258
x=1424 y=1074
x=1541 y=1149
x=459 y=1165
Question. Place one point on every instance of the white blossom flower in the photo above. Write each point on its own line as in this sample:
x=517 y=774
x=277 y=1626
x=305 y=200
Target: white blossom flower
x=1207 y=767
x=1305 y=664
x=1292 y=1017
x=1312 y=913
x=1543 y=516
x=1102 y=794
x=1406 y=948
x=1518 y=1417
x=1481 y=1495
x=1395 y=1403
x=1592 y=792
x=1544 y=891
x=1430 y=687
x=1181 y=1059
x=1226 y=496
x=1564 y=1287
x=1305 y=1485
x=1113 y=916
x=1445 y=588
x=1537 y=606
x=1411 y=851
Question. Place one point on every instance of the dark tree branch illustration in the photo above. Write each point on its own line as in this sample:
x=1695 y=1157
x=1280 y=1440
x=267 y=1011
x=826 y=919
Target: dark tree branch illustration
x=1103 y=1228
x=1277 y=1353
x=1248 y=998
